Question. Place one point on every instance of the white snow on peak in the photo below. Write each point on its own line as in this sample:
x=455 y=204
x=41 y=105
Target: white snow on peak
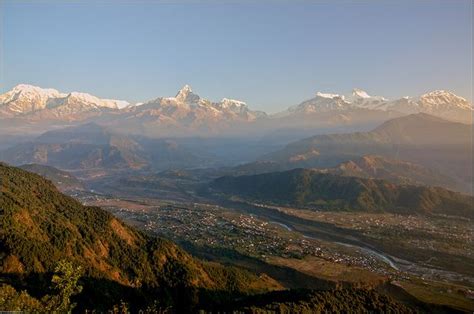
x=360 y=93
x=438 y=92
x=185 y=90
x=117 y=103
x=26 y=89
x=185 y=96
x=92 y=100
x=328 y=95
x=442 y=93
x=229 y=102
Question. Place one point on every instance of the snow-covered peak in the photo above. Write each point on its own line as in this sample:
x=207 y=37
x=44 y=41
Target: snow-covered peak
x=328 y=95
x=439 y=92
x=31 y=89
x=361 y=99
x=360 y=93
x=117 y=103
x=444 y=99
x=442 y=95
x=184 y=92
x=28 y=99
x=88 y=99
x=227 y=102
x=186 y=95
x=25 y=98
x=323 y=102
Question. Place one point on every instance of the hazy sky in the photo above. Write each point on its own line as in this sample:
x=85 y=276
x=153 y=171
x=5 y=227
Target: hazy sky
x=270 y=55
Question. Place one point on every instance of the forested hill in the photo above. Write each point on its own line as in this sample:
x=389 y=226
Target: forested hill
x=63 y=180
x=41 y=227
x=310 y=188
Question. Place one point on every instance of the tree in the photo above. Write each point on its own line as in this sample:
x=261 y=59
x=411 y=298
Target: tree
x=65 y=282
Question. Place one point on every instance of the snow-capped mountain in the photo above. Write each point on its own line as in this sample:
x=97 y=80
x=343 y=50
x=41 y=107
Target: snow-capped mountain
x=322 y=102
x=440 y=103
x=190 y=107
x=188 y=114
x=362 y=99
x=28 y=100
x=185 y=114
x=25 y=98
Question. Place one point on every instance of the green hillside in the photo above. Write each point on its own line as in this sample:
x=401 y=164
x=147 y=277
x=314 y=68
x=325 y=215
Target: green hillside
x=41 y=226
x=310 y=188
x=63 y=180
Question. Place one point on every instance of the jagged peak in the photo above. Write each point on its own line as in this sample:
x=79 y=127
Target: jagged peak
x=185 y=94
x=185 y=90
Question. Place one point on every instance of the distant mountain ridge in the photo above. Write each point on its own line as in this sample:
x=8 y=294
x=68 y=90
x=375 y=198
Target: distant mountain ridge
x=370 y=167
x=42 y=103
x=393 y=170
x=418 y=138
x=439 y=103
x=92 y=146
x=188 y=114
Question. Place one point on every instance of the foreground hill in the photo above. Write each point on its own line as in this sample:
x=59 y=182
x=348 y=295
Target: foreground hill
x=310 y=188
x=41 y=226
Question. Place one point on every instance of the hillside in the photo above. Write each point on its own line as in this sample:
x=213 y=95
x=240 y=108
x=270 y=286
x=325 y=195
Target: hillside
x=63 y=180
x=309 y=188
x=392 y=170
x=419 y=138
x=41 y=226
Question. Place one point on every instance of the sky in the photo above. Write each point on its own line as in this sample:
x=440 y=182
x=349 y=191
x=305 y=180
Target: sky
x=270 y=54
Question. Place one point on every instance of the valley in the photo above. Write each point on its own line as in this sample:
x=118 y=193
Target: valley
x=414 y=252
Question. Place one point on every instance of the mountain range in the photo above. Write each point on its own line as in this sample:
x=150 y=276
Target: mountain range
x=438 y=103
x=33 y=108
x=91 y=146
x=418 y=138
x=414 y=149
